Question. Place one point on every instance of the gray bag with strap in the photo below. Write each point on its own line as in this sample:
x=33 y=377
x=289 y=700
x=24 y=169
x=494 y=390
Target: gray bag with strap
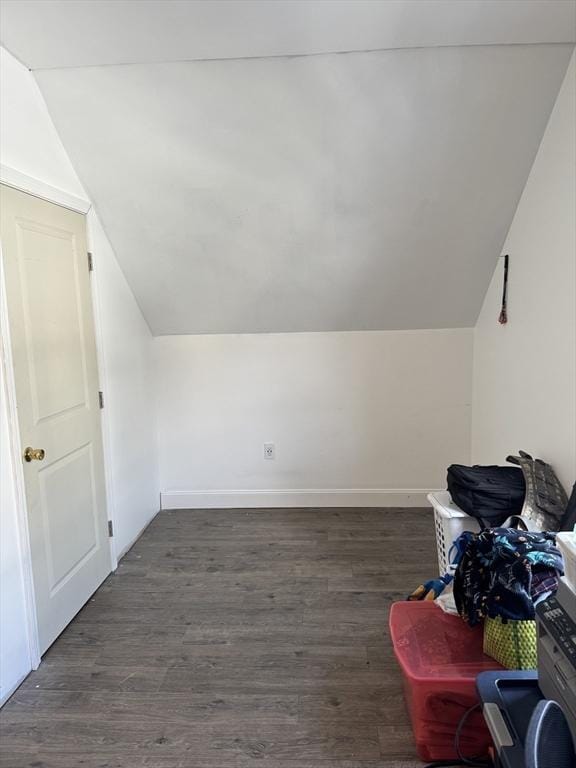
x=546 y=501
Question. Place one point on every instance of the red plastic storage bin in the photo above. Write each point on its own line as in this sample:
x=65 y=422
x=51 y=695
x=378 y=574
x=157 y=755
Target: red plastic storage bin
x=440 y=657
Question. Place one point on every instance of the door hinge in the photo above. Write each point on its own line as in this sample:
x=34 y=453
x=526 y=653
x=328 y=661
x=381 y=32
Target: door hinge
x=110 y=528
x=101 y=399
x=90 y=262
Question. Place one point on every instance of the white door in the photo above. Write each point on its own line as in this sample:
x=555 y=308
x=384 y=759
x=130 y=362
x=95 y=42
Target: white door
x=55 y=369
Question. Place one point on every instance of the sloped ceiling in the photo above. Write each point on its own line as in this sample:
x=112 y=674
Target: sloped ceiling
x=338 y=191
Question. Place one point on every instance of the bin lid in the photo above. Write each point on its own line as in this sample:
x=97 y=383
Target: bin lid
x=430 y=643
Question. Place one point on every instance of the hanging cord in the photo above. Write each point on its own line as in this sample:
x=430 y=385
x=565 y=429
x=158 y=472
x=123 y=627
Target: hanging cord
x=503 y=319
x=477 y=762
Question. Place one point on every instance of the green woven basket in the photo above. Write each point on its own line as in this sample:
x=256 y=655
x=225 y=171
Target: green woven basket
x=511 y=643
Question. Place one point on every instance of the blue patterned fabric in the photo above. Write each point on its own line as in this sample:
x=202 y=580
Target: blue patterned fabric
x=494 y=576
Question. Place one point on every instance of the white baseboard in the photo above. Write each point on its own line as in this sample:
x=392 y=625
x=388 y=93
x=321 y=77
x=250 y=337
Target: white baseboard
x=308 y=497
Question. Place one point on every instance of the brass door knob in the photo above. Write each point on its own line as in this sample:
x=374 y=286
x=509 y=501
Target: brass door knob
x=34 y=454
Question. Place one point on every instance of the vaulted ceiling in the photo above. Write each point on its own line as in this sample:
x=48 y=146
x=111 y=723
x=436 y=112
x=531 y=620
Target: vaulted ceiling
x=294 y=166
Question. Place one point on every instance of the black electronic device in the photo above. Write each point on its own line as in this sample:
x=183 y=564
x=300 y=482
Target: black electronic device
x=556 y=619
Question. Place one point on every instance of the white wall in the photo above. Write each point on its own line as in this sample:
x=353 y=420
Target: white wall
x=28 y=140
x=525 y=371
x=126 y=373
x=29 y=144
x=357 y=418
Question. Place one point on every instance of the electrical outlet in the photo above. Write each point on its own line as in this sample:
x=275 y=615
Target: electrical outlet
x=269 y=451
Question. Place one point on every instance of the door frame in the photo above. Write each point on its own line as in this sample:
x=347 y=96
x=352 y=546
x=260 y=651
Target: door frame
x=14 y=178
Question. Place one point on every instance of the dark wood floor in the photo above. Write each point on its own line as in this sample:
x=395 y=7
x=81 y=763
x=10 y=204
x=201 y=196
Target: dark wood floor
x=233 y=639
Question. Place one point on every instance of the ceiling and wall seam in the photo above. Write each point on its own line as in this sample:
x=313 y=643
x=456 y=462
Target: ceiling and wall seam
x=208 y=59
x=123 y=30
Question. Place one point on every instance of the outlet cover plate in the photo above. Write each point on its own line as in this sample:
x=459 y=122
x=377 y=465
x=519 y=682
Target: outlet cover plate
x=269 y=451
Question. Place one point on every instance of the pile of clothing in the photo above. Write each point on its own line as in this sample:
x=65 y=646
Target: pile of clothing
x=505 y=572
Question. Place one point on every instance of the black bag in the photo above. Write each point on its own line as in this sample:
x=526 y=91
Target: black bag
x=490 y=494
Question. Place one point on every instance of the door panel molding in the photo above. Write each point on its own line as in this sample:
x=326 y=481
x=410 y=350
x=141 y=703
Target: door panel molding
x=44 y=476
x=29 y=303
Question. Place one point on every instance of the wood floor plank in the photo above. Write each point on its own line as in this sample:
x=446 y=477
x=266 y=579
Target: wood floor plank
x=378 y=705
x=273 y=677
x=338 y=633
x=255 y=739
x=176 y=654
x=212 y=584
x=27 y=707
x=80 y=759
x=403 y=579
x=84 y=677
x=182 y=612
x=230 y=639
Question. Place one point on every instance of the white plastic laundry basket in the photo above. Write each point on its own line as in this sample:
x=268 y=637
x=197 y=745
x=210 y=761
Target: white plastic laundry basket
x=567 y=544
x=450 y=522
